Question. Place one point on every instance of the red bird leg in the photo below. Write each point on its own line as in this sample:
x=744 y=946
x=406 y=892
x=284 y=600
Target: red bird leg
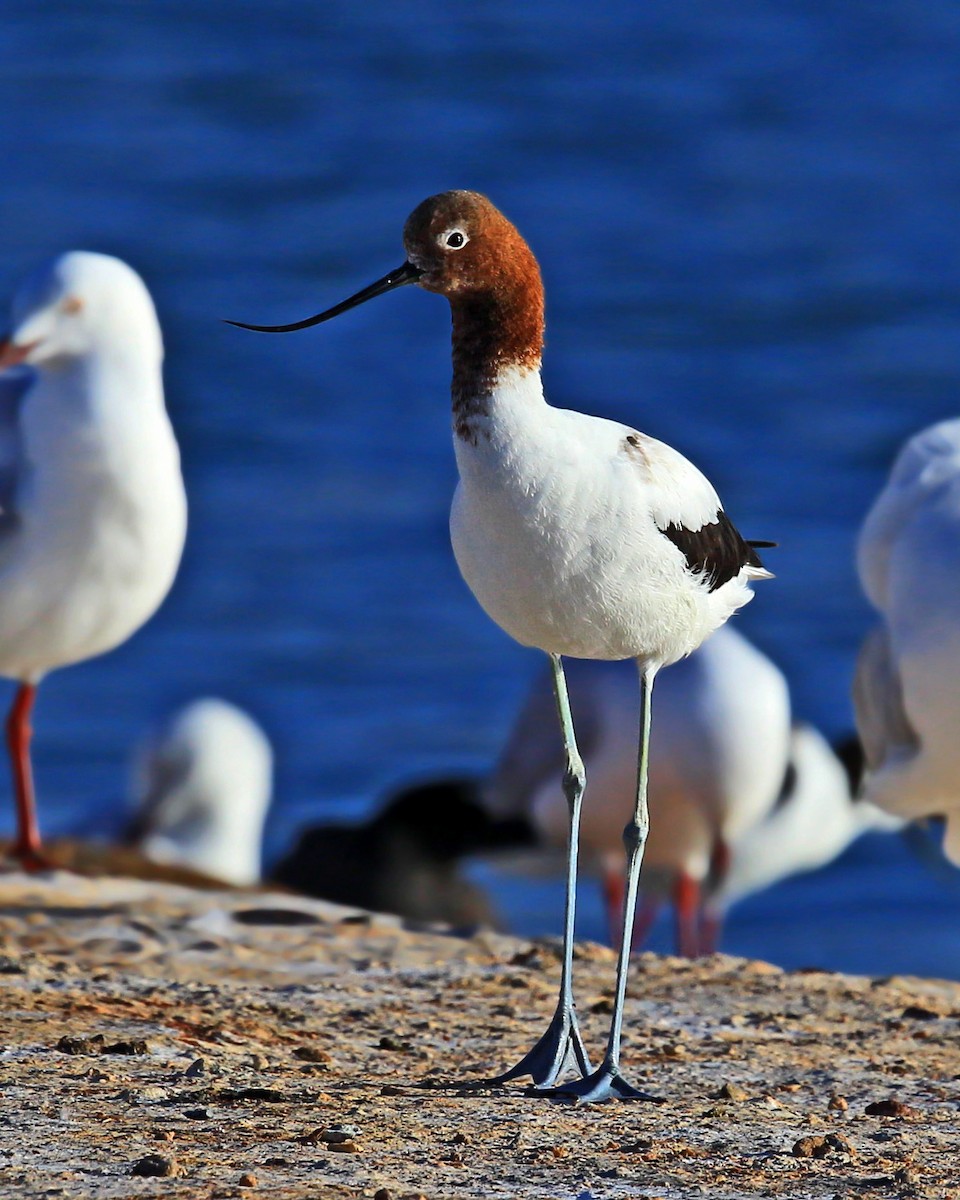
x=646 y=915
x=27 y=848
x=613 y=892
x=711 y=929
x=686 y=902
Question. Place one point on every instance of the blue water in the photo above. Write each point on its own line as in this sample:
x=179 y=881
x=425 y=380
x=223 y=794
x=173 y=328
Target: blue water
x=748 y=217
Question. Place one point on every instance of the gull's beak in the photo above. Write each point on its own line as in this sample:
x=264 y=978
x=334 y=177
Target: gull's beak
x=408 y=273
x=12 y=355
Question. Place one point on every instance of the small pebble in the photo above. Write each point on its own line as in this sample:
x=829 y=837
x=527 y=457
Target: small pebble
x=81 y=1045
x=133 y=1046
x=338 y=1133
x=311 y=1054
x=155 y=1166
x=820 y=1147
x=269 y=1095
x=917 y=1012
x=890 y=1108
x=838 y=1103
x=389 y=1042
x=383 y=1194
x=247 y=1180
x=196 y=1069
x=348 y=1147
x=732 y=1091
x=274 y=916
x=310 y=1139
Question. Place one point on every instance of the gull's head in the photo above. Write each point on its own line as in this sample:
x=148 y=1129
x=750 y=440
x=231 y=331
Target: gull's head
x=80 y=304
x=457 y=244
x=203 y=789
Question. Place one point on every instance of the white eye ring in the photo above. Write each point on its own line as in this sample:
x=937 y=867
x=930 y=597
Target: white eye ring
x=455 y=239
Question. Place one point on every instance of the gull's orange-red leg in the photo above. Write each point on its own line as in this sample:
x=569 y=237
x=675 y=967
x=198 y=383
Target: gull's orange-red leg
x=614 y=887
x=27 y=848
x=686 y=902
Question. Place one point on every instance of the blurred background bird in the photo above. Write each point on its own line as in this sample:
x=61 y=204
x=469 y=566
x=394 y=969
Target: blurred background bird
x=906 y=692
x=202 y=788
x=93 y=504
x=818 y=813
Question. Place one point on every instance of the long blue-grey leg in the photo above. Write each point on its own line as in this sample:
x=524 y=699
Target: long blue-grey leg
x=607 y=1081
x=561 y=1045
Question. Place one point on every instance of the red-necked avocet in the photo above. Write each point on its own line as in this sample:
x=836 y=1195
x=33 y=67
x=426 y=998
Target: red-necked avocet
x=578 y=535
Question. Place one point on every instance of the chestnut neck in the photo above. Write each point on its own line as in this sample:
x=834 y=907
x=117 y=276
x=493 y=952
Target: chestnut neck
x=494 y=331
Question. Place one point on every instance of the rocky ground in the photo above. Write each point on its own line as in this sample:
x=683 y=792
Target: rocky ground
x=161 y=1040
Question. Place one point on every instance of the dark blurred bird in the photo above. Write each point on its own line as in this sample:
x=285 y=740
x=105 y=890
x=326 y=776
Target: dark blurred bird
x=408 y=858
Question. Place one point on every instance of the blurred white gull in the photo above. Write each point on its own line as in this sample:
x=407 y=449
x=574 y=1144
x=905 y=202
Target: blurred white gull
x=718 y=757
x=907 y=685
x=202 y=789
x=815 y=818
x=92 y=507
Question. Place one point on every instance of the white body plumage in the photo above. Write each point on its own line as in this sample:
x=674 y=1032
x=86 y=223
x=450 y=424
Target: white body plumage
x=96 y=509
x=906 y=691
x=557 y=527
x=814 y=824
x=202 y=790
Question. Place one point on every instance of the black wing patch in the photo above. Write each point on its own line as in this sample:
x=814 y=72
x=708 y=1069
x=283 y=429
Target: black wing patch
x=716 y=551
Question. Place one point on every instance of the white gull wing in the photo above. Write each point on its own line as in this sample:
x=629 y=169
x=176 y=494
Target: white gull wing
x=882 y=723
x=814 y=823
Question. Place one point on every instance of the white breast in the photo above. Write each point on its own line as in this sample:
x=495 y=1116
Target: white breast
x=101 y=523
x=554 y=528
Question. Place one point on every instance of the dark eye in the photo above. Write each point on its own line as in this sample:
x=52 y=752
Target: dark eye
x=455 y=239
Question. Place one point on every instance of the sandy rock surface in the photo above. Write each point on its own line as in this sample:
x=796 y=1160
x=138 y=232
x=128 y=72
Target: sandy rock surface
x=162 y=1041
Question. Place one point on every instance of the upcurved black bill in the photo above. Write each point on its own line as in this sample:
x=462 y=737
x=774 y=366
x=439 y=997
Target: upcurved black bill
x=408 y=273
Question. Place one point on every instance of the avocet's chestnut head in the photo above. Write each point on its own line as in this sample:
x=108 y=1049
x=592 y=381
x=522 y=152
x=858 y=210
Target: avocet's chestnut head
x=462 y=245
x=457 y=244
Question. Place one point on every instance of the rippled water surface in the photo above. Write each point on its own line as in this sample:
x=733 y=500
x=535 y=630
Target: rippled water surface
x=747 y=217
